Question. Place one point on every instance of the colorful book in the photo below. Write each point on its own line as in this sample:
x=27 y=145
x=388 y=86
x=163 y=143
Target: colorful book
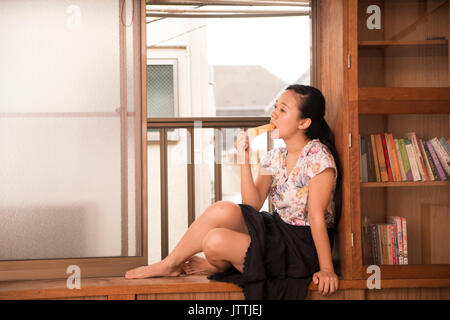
x=436 y=161
x=430 y=161
x=386 y=158
x=412 y=160
x=375 y=157
x=397 y=221
x=405 y=241
x=400 y=162
x=391 y=157
x=425 y=159
x=375 y=240
x=420 y=163
x=405 y=159
x=442 y=155
x=380 y=157
x=398 y=176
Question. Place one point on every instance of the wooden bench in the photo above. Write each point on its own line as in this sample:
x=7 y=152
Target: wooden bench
x=200 y=288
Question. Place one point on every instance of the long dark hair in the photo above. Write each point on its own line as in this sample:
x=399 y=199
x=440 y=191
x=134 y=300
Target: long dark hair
x=312 y=106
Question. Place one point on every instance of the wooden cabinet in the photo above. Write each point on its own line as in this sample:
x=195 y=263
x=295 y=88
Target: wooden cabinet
x=391 y=76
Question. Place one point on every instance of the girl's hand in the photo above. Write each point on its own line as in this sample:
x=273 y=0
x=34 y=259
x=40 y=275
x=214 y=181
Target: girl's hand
x=242 y=145
x=327 y=282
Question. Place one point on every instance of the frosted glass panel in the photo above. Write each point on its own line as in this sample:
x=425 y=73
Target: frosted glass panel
x=69 y=158
x=160 y=88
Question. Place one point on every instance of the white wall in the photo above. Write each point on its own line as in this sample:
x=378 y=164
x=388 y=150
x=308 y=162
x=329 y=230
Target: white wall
x=195 y=100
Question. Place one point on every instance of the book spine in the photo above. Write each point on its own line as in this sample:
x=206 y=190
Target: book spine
x=419 y=158
x=391 y=246
x=394 y=158
x=445 y=145
x=387 y=239
x=370 y=164
x=425 y=159
x=397 y=221
x=381 y=249
x=405 y=159
x=375 y=157
x=400 y=162
x=436 y=161
x=386 y=157
x=390 y=157
x=430 y=161
x=375 y=253
x=441 y=154
x=405 y=241
x=381 y=161
x=412 y=160
x=395 y=243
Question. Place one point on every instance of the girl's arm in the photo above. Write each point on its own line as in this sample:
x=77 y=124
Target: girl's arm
x=319 y=195
x=253 y=193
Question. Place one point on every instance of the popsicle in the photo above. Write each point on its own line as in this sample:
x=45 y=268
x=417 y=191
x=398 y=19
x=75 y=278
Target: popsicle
x=261 y=129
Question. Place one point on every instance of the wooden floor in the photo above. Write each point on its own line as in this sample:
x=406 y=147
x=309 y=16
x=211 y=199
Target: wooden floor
x=200 y=288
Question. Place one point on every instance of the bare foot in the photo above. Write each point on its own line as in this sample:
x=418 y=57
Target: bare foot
x=159 y=269
x=198 y=265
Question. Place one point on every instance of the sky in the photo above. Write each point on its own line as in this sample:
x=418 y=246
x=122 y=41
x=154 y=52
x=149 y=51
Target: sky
x=281 y=45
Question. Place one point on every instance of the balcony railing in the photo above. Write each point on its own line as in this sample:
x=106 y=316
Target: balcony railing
x=217 y=123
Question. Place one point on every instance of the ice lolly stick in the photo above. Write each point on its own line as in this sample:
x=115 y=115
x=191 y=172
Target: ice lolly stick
x=261 y=129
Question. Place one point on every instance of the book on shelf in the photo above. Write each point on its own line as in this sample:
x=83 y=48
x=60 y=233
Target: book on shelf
x=385 y=159
x=434 y=170
x=385 y=243
x=380 y=158
x=442 y=155
x=405 y=159
x=393 y=154
x=446 y=147
x=431 y=176
x=375 y=158
x=412 y=160
x=436 y=161
x=419 y=158
x=400 y=162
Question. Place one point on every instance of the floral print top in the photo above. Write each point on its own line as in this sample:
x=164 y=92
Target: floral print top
x=289 y=194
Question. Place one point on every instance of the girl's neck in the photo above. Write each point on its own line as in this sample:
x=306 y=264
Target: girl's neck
x=296 y=144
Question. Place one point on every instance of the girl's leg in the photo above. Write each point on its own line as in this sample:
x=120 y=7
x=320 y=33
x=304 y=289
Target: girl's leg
x=222 y=214
x=223 y=247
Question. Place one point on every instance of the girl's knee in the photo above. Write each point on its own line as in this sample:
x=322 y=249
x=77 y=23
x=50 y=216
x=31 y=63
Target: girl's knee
x=225 y=206
x=213 y=241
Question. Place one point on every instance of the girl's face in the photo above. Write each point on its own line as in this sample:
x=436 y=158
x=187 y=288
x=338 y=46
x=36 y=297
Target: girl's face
x=286 y=114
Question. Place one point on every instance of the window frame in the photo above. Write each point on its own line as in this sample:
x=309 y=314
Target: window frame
x=174 y=61
x=36 y=269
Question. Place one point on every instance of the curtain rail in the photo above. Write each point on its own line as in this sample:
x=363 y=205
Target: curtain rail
x=231 y=3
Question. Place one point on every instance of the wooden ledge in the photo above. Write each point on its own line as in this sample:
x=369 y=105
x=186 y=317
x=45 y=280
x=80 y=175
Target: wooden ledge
x=120 y=287
x=45 y=289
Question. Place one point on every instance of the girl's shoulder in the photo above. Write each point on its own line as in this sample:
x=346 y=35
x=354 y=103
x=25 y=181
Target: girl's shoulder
x=317 y=149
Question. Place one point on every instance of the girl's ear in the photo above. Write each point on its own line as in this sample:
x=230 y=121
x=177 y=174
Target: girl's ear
x=304 y=123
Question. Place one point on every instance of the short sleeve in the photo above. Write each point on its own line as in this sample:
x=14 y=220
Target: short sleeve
x=319 y=159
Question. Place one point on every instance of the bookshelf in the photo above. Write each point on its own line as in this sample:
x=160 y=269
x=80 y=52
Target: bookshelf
x=401 y=84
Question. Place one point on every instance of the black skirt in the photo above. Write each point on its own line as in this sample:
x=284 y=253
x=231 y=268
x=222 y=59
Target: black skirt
x=280 y=261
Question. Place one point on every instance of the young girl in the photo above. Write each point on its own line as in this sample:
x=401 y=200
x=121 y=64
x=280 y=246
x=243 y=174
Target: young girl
x=272 y=256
